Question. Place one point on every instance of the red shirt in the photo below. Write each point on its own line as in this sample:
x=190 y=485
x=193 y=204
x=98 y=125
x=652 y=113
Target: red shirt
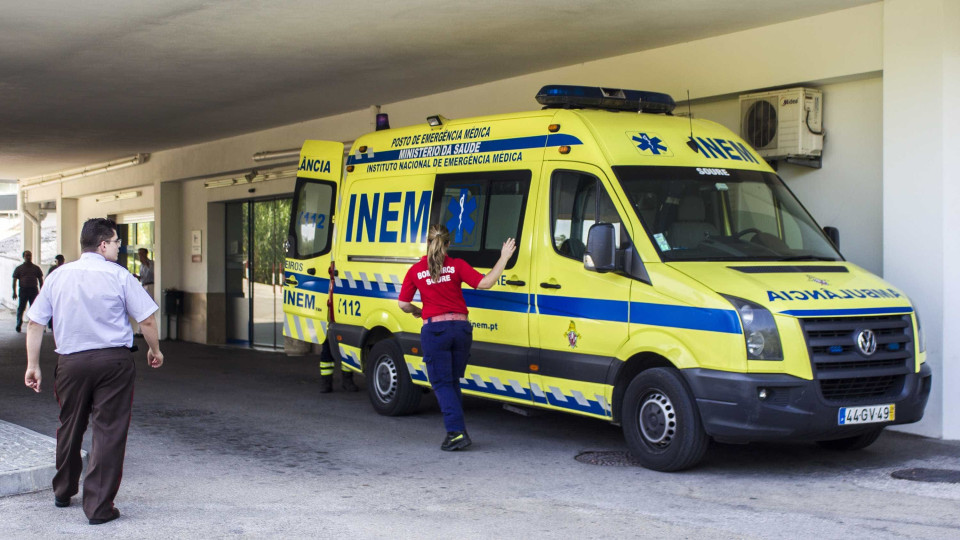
x=445 y=296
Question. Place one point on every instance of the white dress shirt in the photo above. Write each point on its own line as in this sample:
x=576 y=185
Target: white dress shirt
x=90 y=301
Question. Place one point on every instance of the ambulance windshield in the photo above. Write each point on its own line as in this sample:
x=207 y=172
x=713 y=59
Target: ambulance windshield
x=708 y=214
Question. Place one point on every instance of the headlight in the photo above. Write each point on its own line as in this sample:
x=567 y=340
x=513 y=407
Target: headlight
x=759 y=330
x=921 y=340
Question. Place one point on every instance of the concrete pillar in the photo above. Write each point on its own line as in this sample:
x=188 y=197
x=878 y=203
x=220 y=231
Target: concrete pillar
x=170 y=244
x=921 y=195
x=68 y=229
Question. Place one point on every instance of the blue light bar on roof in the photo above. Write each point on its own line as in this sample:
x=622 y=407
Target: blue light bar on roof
x=592 y=97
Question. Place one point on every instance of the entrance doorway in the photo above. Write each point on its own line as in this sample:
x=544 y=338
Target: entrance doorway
x=255 y=233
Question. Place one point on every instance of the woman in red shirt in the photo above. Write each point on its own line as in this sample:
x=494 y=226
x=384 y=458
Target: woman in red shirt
x=447 y=333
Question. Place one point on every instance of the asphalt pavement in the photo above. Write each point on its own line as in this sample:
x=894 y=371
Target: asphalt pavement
x=237 y=443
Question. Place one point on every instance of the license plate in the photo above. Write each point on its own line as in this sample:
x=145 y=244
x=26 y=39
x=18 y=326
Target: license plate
x=866 y=415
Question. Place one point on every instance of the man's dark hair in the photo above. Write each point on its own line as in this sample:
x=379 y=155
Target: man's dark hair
x=59 y=258
x=94 y=231
x=143 y=251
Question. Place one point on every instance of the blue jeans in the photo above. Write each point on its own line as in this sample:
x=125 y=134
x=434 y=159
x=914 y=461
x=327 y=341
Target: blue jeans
x=446 y=349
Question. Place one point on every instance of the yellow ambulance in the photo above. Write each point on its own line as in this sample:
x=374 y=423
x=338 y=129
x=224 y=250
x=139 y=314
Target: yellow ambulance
x=665 y=279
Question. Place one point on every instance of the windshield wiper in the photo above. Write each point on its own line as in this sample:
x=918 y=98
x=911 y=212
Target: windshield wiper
x=807 y=258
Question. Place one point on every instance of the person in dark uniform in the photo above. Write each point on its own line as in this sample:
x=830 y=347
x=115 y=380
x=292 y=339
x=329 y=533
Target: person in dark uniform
x=90 y=301
x=327 y=365
x=447 y=333
x=31 y=279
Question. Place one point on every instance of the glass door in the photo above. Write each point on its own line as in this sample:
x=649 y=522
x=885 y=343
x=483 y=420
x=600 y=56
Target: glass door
x=256 y=231
x=269 y=221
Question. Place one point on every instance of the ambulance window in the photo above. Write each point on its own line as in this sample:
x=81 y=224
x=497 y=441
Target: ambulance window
x=481 y=210
x=310 y=222
x=574 y=208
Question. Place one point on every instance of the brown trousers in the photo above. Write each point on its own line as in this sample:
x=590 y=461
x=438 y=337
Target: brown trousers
x=94 y=386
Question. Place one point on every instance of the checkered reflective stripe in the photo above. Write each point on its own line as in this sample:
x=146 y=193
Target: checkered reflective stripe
x=364 y=282
x=556 y=397
x=349 y=357
x=303 y=328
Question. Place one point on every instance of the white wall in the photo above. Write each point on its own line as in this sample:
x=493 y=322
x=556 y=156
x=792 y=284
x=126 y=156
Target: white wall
x=951 y=204
x=920 y=87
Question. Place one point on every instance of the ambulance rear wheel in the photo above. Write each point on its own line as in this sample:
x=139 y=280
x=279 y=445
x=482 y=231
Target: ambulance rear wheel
x=392 y=392
x=661 y=422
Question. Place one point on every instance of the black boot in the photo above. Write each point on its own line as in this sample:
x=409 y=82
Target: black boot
x=326 y=384
x=347 y=382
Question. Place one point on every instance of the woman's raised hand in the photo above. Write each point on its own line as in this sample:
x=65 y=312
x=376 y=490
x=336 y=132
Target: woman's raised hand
x=508 y=248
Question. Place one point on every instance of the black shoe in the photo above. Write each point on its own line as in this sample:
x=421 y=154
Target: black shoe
x=18 y=328
x=347 y=382
x=61 y=503
x=114 y=514
x=455 y=440
x=326 y=384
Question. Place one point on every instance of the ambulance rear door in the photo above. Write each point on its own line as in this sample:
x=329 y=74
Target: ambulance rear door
x=306 y=285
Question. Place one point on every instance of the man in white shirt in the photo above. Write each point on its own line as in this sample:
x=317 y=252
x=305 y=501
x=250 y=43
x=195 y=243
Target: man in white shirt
x=90 y=301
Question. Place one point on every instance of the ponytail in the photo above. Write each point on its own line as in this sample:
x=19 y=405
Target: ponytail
x=437 y=241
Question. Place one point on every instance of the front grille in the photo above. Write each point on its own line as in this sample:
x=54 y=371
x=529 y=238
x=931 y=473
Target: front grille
x=861 y=388
x=845 y=373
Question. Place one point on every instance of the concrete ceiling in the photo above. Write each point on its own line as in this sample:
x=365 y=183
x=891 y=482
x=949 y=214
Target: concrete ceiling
x=88 y=81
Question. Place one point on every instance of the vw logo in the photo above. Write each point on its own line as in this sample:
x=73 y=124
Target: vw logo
x=867 y=342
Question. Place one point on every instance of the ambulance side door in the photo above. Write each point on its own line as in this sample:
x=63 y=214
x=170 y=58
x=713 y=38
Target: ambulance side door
x=306 y=284
x=481 y=210
x=582 y=316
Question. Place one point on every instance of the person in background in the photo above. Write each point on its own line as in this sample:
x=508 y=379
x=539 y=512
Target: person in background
x=58 y=261
x=90 y=301
x=146 y=271
x=447 y=333
x=31 y=279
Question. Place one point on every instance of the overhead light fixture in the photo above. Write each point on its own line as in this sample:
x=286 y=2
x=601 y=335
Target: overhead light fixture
x=90 y=170
x=276 y=154
x=251 y=177
x=435 y=120
x=118 y=196
x=268 y=155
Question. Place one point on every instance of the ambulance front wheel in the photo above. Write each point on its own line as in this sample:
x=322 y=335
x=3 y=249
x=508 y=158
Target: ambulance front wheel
x=391 y=391
x=661 y=422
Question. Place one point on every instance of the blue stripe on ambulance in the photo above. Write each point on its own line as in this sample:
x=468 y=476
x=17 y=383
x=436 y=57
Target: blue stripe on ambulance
x=500 y=145
x=693 y=318
x=847 y=312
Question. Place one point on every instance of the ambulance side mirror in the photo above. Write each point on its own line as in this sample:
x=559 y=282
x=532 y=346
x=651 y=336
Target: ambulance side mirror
x=833 y=234
x=601 y=253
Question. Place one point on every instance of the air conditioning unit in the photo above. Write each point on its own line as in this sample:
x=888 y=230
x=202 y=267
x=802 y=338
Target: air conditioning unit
x=783 y=123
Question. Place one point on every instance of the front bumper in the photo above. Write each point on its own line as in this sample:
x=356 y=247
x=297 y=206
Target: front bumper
x=794 y=409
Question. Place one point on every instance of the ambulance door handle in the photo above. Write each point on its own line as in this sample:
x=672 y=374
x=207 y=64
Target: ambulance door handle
x=546 y=285
x=515 y=282
x=312 y=271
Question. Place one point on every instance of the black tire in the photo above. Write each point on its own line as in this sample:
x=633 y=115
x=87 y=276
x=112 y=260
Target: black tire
x=391 y=391
x=858 y=442
x=661 y=422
